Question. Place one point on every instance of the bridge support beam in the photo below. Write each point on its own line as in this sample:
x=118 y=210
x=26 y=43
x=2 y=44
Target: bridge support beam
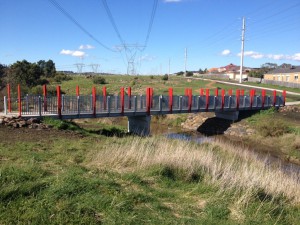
x=139 y=125
x=233 y=116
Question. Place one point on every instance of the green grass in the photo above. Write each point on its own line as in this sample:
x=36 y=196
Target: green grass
x=297 y=90
x=55 y=181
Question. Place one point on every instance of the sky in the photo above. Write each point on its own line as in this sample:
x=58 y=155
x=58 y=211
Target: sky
x=109 y=35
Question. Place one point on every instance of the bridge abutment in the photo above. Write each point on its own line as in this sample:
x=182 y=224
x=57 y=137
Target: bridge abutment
x=139 y=125
x=228 y=115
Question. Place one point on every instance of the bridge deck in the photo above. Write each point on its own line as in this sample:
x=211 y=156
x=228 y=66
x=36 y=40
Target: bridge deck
x=70 y=107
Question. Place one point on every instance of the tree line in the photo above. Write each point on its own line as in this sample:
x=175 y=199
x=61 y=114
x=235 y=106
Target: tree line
x=26 y=73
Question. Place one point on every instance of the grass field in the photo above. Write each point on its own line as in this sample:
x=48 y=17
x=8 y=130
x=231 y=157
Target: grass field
x=140 y=83
x=71 y=175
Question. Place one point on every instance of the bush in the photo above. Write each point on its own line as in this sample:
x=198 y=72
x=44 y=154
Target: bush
x=99 y=80
x=165 y=77
x=59 y=77
x=274 y=129
x=189 y=74
x=38 y=90
x=151 y=77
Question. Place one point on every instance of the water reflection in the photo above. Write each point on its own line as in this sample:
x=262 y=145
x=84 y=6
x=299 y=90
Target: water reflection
x=188 y=137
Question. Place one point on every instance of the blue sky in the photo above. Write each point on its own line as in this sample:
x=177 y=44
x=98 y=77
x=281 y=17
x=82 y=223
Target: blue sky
x=210 y=30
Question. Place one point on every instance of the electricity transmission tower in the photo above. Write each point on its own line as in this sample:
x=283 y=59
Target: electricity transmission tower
x=95 y=67
x=79 y=67
x=131 y=51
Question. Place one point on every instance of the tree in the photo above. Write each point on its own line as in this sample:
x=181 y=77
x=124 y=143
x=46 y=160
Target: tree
x=3 y=70
x=47 y=68
x=24 y=73
x=256 y=73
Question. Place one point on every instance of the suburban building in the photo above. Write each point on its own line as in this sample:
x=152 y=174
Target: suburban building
x=286 y=74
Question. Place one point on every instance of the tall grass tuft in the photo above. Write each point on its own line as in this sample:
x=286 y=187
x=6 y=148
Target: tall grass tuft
x=226 y=165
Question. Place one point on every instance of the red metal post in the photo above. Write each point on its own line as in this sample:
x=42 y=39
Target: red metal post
x=129 y=97
x=223 y=98
x=237 y=99
x=251 y=98
x=216 y=92
x=94 y=100
x=263 y=95
x=104 y=97
x=77 y=91
x=242 y=92
x=284 y=96
x=186 y=92
x=58 y=92
x=45 y=97
x=190 y=95
x=170 y=99
x=8 y=98
x=19 y=100
x=151 y=98
x=274 y=97
x=148 y=101
x=201 y=92
x=122 y=99
x=230 y=92
x=207 y=99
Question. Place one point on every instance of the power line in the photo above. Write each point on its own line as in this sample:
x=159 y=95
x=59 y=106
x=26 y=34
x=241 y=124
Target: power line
x=111 y=18
x=73 y=20
x=154 y=8
x=277 y=13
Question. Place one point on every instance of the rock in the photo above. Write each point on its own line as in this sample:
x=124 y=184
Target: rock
x=1 y=121
x=22 y=123
x=15 y=125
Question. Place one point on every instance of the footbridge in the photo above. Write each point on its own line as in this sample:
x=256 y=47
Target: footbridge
x=138 y=108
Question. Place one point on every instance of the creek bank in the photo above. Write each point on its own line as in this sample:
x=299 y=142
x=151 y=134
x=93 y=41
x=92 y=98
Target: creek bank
x=18 y=122
x=209 y=125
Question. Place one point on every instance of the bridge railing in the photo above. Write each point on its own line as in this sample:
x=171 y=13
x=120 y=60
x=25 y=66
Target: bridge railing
x=39 y=105
x=60 y=104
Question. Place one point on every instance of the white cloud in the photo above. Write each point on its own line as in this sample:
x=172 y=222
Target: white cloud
x=82 y=47
x=146 y=58
x=172 y=1
x=296 y=57
x=252 y=54
x=257 y=55
x=226 y=52
x=80 y=54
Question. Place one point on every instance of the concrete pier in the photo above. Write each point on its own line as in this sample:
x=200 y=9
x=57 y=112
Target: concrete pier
x=233 y=116
x=139 y=125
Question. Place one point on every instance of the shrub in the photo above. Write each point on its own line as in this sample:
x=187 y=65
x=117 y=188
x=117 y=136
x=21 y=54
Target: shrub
x=132 y=83
x=99 y=80
x=165 y=77
x=189 y=74
x=274 y=129
x=59 y=77
x=151 y=77
x=38 y=90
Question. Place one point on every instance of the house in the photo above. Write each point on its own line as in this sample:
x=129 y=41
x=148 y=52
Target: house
x=233 y=71
x=286 y=74
x=212 y=70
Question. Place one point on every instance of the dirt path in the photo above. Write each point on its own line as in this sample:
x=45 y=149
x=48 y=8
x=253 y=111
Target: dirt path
x=211 y=84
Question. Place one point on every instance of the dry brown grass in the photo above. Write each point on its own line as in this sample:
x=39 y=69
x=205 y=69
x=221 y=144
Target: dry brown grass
x=226 y=165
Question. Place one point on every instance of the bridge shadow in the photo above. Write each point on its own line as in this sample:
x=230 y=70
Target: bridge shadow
x=216 y=126
x=106 y=131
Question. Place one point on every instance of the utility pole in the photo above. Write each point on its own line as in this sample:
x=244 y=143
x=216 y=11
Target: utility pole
x=242 y=49
x=185 y=60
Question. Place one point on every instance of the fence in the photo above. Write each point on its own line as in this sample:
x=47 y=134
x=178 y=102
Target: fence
x=275 y=82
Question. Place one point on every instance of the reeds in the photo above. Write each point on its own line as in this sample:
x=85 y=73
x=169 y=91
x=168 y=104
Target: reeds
x=229 y=166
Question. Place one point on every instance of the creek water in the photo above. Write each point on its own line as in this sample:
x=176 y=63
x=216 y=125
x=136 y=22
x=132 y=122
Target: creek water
x=194 y=136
